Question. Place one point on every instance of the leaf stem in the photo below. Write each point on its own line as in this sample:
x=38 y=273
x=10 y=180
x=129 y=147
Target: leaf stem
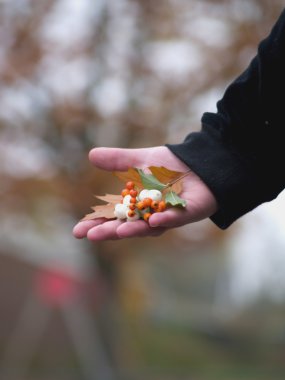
x=171 y=183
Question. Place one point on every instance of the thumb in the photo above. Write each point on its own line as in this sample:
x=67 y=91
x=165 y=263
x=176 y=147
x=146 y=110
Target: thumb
x=118 y=158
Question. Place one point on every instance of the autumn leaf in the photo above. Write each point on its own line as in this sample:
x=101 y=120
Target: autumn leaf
x=177 y=186
x=164 y=175
x=110 y=198
x=130 y=175
x=169 y=182
x=104 y=211
x=159 y=177
x=101 y=211
x=172 y=178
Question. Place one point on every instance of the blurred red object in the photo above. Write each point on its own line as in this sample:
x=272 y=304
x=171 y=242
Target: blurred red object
x=56 y=287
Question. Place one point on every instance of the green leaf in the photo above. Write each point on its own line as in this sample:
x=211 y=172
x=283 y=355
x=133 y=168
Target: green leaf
x=150 y=182
x=174 y=200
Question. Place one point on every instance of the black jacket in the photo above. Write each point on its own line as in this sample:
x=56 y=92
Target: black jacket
x=239 y=151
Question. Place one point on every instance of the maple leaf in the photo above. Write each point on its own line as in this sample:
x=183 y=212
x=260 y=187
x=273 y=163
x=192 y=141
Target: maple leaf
x=153 y=177
x=110 y=198
x=130 y=175
x=169 y=177
x=104 y=211
x=159 y=176
x=101 y=211
x=164 y=175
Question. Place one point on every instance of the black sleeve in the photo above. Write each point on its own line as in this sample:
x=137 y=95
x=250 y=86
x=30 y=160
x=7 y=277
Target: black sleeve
x=239 y=151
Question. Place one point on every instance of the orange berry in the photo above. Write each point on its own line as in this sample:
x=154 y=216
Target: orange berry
x=147 y=202
x=133 y=193
x=131 y=213
x=146 y=216
x=141 y=205
x=125 y=192
x=132 y=206
x=154 y=205
x=161 y=206
x=130 y=185
x=133 y=200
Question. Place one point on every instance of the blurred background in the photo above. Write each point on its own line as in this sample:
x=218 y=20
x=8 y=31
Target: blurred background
x=196 y=303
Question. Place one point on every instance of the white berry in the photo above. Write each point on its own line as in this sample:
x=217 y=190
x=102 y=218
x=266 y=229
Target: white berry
x=120 y=211
x=155 y=195
x=126 y=200
x=135 y=216
x=143 y=194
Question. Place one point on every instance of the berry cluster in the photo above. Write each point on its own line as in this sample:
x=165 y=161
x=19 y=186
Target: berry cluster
x=138 y=205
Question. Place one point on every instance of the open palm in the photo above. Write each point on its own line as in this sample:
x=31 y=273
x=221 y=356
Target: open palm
x=200 y=201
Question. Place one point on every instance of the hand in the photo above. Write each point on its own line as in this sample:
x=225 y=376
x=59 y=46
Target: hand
x=200 y=201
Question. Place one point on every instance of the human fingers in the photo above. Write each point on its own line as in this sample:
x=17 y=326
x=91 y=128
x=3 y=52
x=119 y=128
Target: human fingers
x=171 y=218
x=122 y=159
x=200 y=206
x=105 y=231
x=139 y=228
x=118 y=158
x=115 y=229
x=81 y=228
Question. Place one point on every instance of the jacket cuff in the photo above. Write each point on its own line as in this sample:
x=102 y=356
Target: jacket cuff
x=236 y=179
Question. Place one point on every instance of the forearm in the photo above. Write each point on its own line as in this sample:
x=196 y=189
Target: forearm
x=232 y=152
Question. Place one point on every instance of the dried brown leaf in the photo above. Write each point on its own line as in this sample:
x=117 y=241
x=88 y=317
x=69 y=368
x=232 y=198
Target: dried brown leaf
x=110 y=198
x=168 y=176
x=177 y=187
x=101 y=211
x=165 y=175
x=130 y=175
x=162 y=174
x=91 y=216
